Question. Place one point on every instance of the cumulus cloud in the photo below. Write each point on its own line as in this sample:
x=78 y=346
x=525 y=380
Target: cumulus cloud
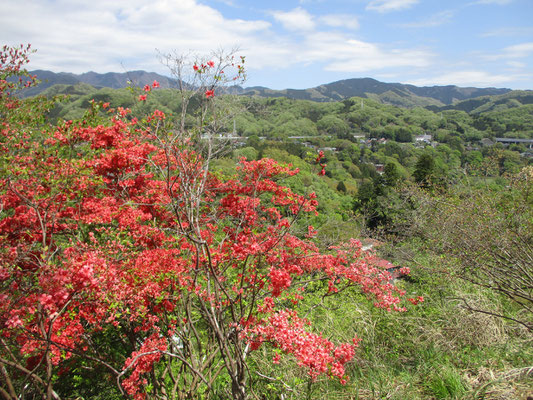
x=78 y=36
x=295 y=20
x=102 y=35
x=384 y=6
x=340 y=21
x=521 y=50
x=467 y=78
x=516 y=51
x=344 y=54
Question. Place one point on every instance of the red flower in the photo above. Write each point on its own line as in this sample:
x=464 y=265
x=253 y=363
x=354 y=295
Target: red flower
x=142 y=97
x=209 y=93
x=147 y=88
x=419 y=299
x=155 y=84
x=211 y=64
x=195 y=67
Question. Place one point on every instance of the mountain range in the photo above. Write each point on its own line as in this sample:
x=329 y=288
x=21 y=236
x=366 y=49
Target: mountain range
x=390 y=93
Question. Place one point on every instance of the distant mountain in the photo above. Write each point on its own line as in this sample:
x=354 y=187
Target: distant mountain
x=113 y=80
x=119 y=80
x=389 y=93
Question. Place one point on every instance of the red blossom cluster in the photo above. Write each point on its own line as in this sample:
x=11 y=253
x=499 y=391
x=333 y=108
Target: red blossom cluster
x=12 y=60
x=206 y=69
x=202 y=68
x=13 y=77
x=148 y=88
x=143 y=360
x=289 y=333
x=320 y=156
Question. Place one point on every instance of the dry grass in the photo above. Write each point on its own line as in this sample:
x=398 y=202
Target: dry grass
x=514 y=384
x=470 y=328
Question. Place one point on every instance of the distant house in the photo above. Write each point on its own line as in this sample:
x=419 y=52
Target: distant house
x=423 y=138
x=395 y=271
x=380 y=168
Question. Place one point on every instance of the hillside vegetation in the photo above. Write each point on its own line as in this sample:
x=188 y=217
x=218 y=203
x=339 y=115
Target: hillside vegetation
x=166 y=244
x=388 y=93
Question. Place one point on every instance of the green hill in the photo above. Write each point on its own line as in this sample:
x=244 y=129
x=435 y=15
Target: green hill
x=397 y=94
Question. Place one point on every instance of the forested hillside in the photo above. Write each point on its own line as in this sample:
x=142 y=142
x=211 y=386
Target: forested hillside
x=359 y=136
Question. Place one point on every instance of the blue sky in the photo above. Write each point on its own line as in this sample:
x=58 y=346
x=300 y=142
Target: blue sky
x=289 y=43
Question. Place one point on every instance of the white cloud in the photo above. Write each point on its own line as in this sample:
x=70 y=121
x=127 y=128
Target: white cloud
x=340 y=53
x=383 y=6
x=509 y=31
x=498 y=2
x=229 y=3
x=516 y=64
x=519 y=50
x=438 y=19
x=467 y=78
x=295 y=20
x=340 y=21
x=77 y=35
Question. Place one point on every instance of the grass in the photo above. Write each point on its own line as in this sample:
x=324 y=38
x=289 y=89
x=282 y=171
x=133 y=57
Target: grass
x=436 y=350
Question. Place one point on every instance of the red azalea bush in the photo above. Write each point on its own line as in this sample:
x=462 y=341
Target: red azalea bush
x=122 y=251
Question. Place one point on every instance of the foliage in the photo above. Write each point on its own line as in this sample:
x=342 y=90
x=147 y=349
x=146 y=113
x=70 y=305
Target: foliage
x=424 y=169
x=125 y=258
x=359 y=134
x=437 y=350
x=486 y=234
x=14 y=78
